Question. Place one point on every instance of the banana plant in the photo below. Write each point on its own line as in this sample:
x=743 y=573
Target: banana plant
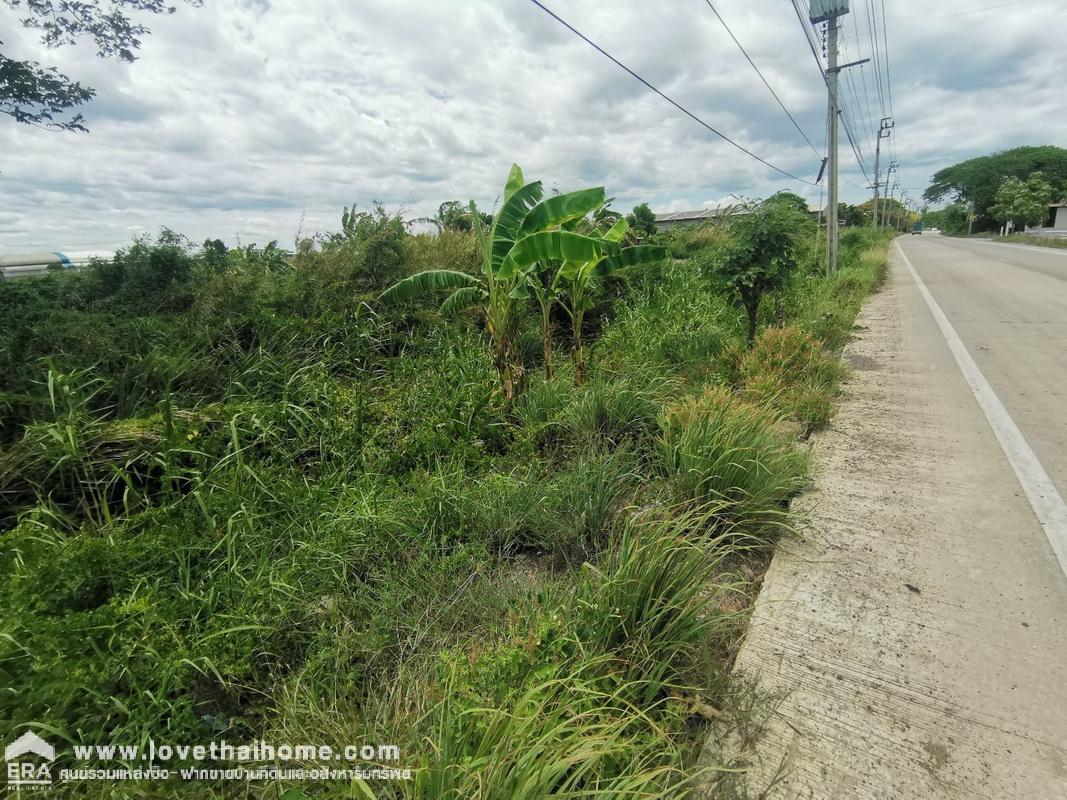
x=580 y=282
x=524 y=231
x=542 y=284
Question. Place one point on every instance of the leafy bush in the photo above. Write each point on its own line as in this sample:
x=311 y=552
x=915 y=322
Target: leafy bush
x=449 y=249
x=147 y=277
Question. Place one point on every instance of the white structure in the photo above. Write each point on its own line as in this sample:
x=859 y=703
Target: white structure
x=18 y=265
x=29 y=742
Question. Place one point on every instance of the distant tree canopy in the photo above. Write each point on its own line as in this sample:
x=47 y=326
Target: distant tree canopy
x=42 y=96
x=977 y=180
x=1022 y=202
x=642 y=220
x=790 y=199
x=455 y=216
x=951 y=220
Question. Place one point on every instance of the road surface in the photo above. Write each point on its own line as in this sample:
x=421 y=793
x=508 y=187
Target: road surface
x=917 y=637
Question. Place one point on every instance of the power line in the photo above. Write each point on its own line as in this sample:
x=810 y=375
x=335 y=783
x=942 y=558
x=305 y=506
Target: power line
x=956 y=14
x=872 y=34
x=765 y=83
x=885 y=55
x=670 y=100
x=809 y=36
x=863 y=75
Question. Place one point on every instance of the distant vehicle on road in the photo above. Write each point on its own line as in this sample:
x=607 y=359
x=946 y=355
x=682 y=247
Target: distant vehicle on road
x=916 y=228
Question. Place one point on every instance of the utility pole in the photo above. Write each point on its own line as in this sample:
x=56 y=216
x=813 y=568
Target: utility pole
x=832 y=75
x=903 y=210
x=889 y=212
x=884 y=129
x=885 y=209
x=828 y=11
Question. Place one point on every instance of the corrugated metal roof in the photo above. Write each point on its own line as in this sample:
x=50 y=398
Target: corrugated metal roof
x=711 y=213
x=677 y=216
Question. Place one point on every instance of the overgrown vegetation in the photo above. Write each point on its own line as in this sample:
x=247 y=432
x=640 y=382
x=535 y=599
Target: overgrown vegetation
x=242 y=498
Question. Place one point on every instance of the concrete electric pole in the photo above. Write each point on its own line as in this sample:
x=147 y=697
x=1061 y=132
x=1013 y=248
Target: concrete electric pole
x=886 y=206
x=889 y=212
x=828 y=11
x=832 y=75
x=884 y=130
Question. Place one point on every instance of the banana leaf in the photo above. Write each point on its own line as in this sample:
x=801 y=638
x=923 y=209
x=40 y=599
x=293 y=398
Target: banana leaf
x=563 y=208
x=424 y=282
x=548 y=246
x=462 y=299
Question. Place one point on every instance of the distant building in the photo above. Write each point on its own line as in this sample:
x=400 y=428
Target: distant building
x=1057 y=216
x=676 y=219
x=17 y=265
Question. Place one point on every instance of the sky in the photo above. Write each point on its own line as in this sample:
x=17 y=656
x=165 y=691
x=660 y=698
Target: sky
x=259 y=120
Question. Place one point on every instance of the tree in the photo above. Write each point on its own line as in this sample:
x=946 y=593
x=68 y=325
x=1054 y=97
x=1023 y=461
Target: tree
x=454 y=216
x=525 y=231
x=36 y=95
x=1024 y=203
x=760 y=256
x=851 y=216
x=642 y=221
x=977 y=180
x=791 y=199
x=951 y=220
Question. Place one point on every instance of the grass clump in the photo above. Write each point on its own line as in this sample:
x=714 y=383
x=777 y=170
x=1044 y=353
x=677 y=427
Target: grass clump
x=719 y=449
x=599 y=672
x=788 y=370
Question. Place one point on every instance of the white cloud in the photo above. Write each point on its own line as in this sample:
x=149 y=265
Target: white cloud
x=240 y=118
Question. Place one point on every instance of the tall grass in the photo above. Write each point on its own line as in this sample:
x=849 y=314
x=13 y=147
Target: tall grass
x=717 y=449
x=250 y=505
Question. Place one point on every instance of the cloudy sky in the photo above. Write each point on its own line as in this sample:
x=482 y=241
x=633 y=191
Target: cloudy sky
x=245 y=119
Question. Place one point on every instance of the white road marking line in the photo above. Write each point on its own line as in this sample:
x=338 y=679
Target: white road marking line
x=1046 y=501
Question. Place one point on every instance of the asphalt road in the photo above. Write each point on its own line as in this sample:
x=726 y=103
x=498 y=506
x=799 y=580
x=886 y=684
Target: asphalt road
x=1009 y=306
x=916 y=638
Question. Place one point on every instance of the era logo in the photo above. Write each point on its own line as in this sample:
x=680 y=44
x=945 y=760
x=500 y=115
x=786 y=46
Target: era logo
x=26 y=773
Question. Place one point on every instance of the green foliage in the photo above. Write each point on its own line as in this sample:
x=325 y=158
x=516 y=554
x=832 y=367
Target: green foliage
x=683 y=241
x=236 y=501
x=453 y=216
x=824 y=307
x=723 y=451
x=761 y=255
x=523 y=232
x=953 y=220
x=642 y=221
x=1024 y=203
x=39 y=96
x=370 y=247
x=787 y=369
x=977 y=180
x=581 y=696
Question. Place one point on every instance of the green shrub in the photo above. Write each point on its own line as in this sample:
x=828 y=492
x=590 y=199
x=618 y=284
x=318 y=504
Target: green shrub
x=449 y=249
x=722 y=451
x=788 y=371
